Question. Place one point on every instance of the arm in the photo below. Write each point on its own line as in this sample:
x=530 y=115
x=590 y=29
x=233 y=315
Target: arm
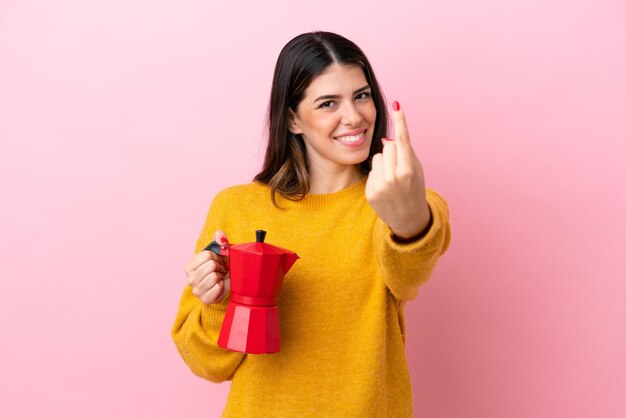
x=197 y=325
x=412 y=228
x=195 y=333
x=405 y=266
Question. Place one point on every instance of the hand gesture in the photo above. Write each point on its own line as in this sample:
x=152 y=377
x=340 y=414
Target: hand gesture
x=395 y=188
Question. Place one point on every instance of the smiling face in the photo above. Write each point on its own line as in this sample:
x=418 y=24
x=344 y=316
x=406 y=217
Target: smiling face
x=336 y=118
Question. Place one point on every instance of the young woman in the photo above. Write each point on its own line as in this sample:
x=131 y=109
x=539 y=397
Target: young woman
x=353 y=205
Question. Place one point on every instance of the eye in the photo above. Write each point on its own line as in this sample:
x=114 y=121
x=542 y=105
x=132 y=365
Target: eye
x=363 y=96
x=327 y=104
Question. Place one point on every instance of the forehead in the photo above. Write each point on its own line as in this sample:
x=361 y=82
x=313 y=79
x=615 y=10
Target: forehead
x=337 y=79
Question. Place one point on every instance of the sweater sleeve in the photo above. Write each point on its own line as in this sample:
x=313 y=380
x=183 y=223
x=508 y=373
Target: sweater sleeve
x=197 y=325
x=404 y=267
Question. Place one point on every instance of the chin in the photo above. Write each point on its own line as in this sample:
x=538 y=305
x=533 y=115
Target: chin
x=356 y=159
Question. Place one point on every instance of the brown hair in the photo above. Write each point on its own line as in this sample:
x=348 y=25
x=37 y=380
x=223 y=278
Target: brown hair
x=285 y=167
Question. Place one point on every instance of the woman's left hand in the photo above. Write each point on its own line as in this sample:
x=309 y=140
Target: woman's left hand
x=395 y=188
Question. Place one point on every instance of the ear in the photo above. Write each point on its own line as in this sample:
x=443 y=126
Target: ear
x=292 y=124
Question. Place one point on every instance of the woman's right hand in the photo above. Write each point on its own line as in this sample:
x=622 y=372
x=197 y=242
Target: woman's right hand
x=207 y=274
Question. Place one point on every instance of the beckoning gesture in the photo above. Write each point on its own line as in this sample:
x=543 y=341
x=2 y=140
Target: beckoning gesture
x=395 y=188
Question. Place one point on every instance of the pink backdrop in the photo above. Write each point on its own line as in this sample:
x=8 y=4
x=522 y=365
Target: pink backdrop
x=120 y=120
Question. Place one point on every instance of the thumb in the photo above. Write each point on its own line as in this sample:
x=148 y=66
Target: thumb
x=220 y=238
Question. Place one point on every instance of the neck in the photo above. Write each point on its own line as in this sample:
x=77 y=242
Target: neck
x=325 y=180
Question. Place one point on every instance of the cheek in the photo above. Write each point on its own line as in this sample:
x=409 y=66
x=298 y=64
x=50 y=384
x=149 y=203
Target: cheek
x=371 y=113
x=326 y=123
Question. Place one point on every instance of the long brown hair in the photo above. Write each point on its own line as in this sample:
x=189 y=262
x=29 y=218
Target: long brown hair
x=285 y=167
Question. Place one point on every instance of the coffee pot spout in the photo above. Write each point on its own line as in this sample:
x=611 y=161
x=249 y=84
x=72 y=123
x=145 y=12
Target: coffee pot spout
x=288 y=260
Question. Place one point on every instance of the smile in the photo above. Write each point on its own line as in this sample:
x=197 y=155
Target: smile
x=355 y=139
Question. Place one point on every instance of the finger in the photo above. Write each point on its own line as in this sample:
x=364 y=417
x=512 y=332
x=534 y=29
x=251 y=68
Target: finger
x=399 y=125
x=374 y=179
x=389 y=160
x=377 y=166
x=220 y=238
x=209 y=267
x=226 y=281
x=199 y=259
x=208 y=282
x=214 y=294
x=405 y=153
x=204 y=270
x=223 y=294
x=225 y=288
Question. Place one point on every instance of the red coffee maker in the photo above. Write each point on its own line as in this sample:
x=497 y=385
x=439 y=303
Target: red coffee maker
x=257 y=270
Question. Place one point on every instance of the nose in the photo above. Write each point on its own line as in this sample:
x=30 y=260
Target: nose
x=351 y=115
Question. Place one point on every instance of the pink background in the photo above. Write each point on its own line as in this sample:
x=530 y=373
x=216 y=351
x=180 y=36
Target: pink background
x=120 y=120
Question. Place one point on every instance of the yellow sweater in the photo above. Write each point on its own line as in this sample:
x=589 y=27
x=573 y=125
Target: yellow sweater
x=341 y=307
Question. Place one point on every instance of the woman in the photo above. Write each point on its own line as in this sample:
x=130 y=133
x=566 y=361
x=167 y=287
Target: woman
x=354 y=207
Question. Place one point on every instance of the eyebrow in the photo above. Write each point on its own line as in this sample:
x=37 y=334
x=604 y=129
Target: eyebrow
x=336 y=96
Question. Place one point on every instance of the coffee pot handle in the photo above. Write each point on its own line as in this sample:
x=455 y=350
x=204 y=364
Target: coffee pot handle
x=214 y=247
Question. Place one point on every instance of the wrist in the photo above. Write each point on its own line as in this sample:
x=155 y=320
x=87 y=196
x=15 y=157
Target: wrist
x=408 y=236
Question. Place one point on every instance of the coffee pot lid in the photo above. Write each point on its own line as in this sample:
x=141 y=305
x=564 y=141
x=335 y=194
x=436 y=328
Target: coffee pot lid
x=259 y=246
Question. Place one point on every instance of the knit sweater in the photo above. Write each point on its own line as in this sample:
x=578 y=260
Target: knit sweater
x=341 y=306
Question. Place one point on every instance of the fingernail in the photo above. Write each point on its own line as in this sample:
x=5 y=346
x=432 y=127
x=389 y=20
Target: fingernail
x=225 y=243
x=396 y=106
x=388 y=139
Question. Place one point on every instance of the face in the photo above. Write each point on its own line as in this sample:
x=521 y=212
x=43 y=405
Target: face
x=336 y=118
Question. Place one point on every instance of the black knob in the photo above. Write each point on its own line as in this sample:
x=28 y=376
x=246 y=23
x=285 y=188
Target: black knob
x=260 y=235
x=213 y=246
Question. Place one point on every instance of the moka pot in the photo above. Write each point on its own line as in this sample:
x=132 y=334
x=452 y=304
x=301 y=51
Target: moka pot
x=257 y=269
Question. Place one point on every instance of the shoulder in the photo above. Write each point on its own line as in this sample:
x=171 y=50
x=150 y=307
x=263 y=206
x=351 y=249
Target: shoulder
x=240 y=194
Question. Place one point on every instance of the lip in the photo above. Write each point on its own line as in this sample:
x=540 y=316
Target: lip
x=351 y=133
x=353 y=144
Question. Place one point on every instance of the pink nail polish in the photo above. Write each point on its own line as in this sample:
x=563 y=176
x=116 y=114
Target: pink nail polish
x=396 y=106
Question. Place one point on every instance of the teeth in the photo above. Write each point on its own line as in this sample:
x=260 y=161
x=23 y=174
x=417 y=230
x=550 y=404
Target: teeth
x=351 y=138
